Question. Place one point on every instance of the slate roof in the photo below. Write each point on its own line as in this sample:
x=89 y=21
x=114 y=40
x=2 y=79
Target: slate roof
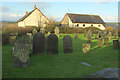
x=25 y=16
x=85 y=18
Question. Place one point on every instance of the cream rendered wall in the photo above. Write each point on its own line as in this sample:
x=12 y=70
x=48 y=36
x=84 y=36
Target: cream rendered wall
x=35 y=19
x=88 y=25
x=21 y=24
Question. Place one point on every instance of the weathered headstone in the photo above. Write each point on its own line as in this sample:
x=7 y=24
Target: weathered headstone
x=42 y=30
x=86 y=47
x=21 y=53
x=26 y=39
x=115 y=44
x=89 y=33
x=85 y=33
x=38 y=43
x=52 y=44
x=34 y=31
x=76 y=35
x=109 y=35
x=29 y=34
x=48 y=33
x=106 y=41
x=100 y=42
x=67 y=44
x=56 y=30
x=12 y=39
x=96 y=36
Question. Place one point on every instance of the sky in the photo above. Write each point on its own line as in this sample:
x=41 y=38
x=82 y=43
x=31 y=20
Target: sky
x=13 y=11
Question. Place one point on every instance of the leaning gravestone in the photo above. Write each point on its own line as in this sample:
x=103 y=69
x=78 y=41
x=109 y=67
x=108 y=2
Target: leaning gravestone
x=34 y=31
x=21 y=53
x=38 y=43
x=67 y=44
x=100 y=42
x=52 y=44
x=56 y=30
x=106 y=41
x=76 y=35
x=86 y=47
x=115 y=44
x=89 y=33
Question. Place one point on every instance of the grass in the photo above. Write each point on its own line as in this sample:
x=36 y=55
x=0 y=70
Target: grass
x=62 y=65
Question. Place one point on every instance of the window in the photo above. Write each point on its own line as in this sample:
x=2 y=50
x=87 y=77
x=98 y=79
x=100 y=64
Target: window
x=99 y=25
x=91 y=24
x=77 y=25
x=83 y=25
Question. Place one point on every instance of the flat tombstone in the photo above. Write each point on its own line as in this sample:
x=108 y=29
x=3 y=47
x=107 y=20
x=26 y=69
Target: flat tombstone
x=115 y=44
x=106 y=41
x=52 y=44
x=67 y=44
x=100 y=42
x=21 y=54
x=56 y=30
x=38 y=43
x=86 y=48
x=76 y=35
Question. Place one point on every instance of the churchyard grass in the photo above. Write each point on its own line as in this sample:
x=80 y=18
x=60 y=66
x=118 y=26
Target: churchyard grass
x=62 y=65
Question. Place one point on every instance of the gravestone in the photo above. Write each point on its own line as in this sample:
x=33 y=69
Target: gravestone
x=89 y=34
x=48 y=33
x=67 y=44
x=115 y=35
x=76 y=35
x=56 y=30
x=26 y=39
x=85 y=33
x=38 y=43
x=29 y=34
x=109 y=35
x=118 y=33
x=106 y=41
x=52 y=44
x=34 y=31
x=21 y=53
x=42 y=30
x=115 y=44
x=86 y=47
x=100 y=42
x=12 y=39
x=96 y=36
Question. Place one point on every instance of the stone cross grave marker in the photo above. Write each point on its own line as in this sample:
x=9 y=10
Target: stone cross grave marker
x=38 y=43
x=52 y=44
x=56 y=30
x=67 y=44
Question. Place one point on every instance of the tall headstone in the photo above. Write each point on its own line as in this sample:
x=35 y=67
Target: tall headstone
x=52 y=44
x=100 y=42
x=109 y=35
x=86 y=47
x=115 y=44
x=56 y=30
x=89 y=34
x=85 y=32
x=38 y=43
x=21 y=53
x=67 y=44
x=106 y=41
x=76 y=35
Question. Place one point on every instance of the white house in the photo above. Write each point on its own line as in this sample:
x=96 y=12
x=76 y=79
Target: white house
x=33 y=18
x=83 y=20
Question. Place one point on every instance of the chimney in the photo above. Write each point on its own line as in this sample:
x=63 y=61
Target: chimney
x=34 y=7
x=26 y=12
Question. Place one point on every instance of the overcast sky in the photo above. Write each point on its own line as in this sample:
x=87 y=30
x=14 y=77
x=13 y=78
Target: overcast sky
x=13 y=11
